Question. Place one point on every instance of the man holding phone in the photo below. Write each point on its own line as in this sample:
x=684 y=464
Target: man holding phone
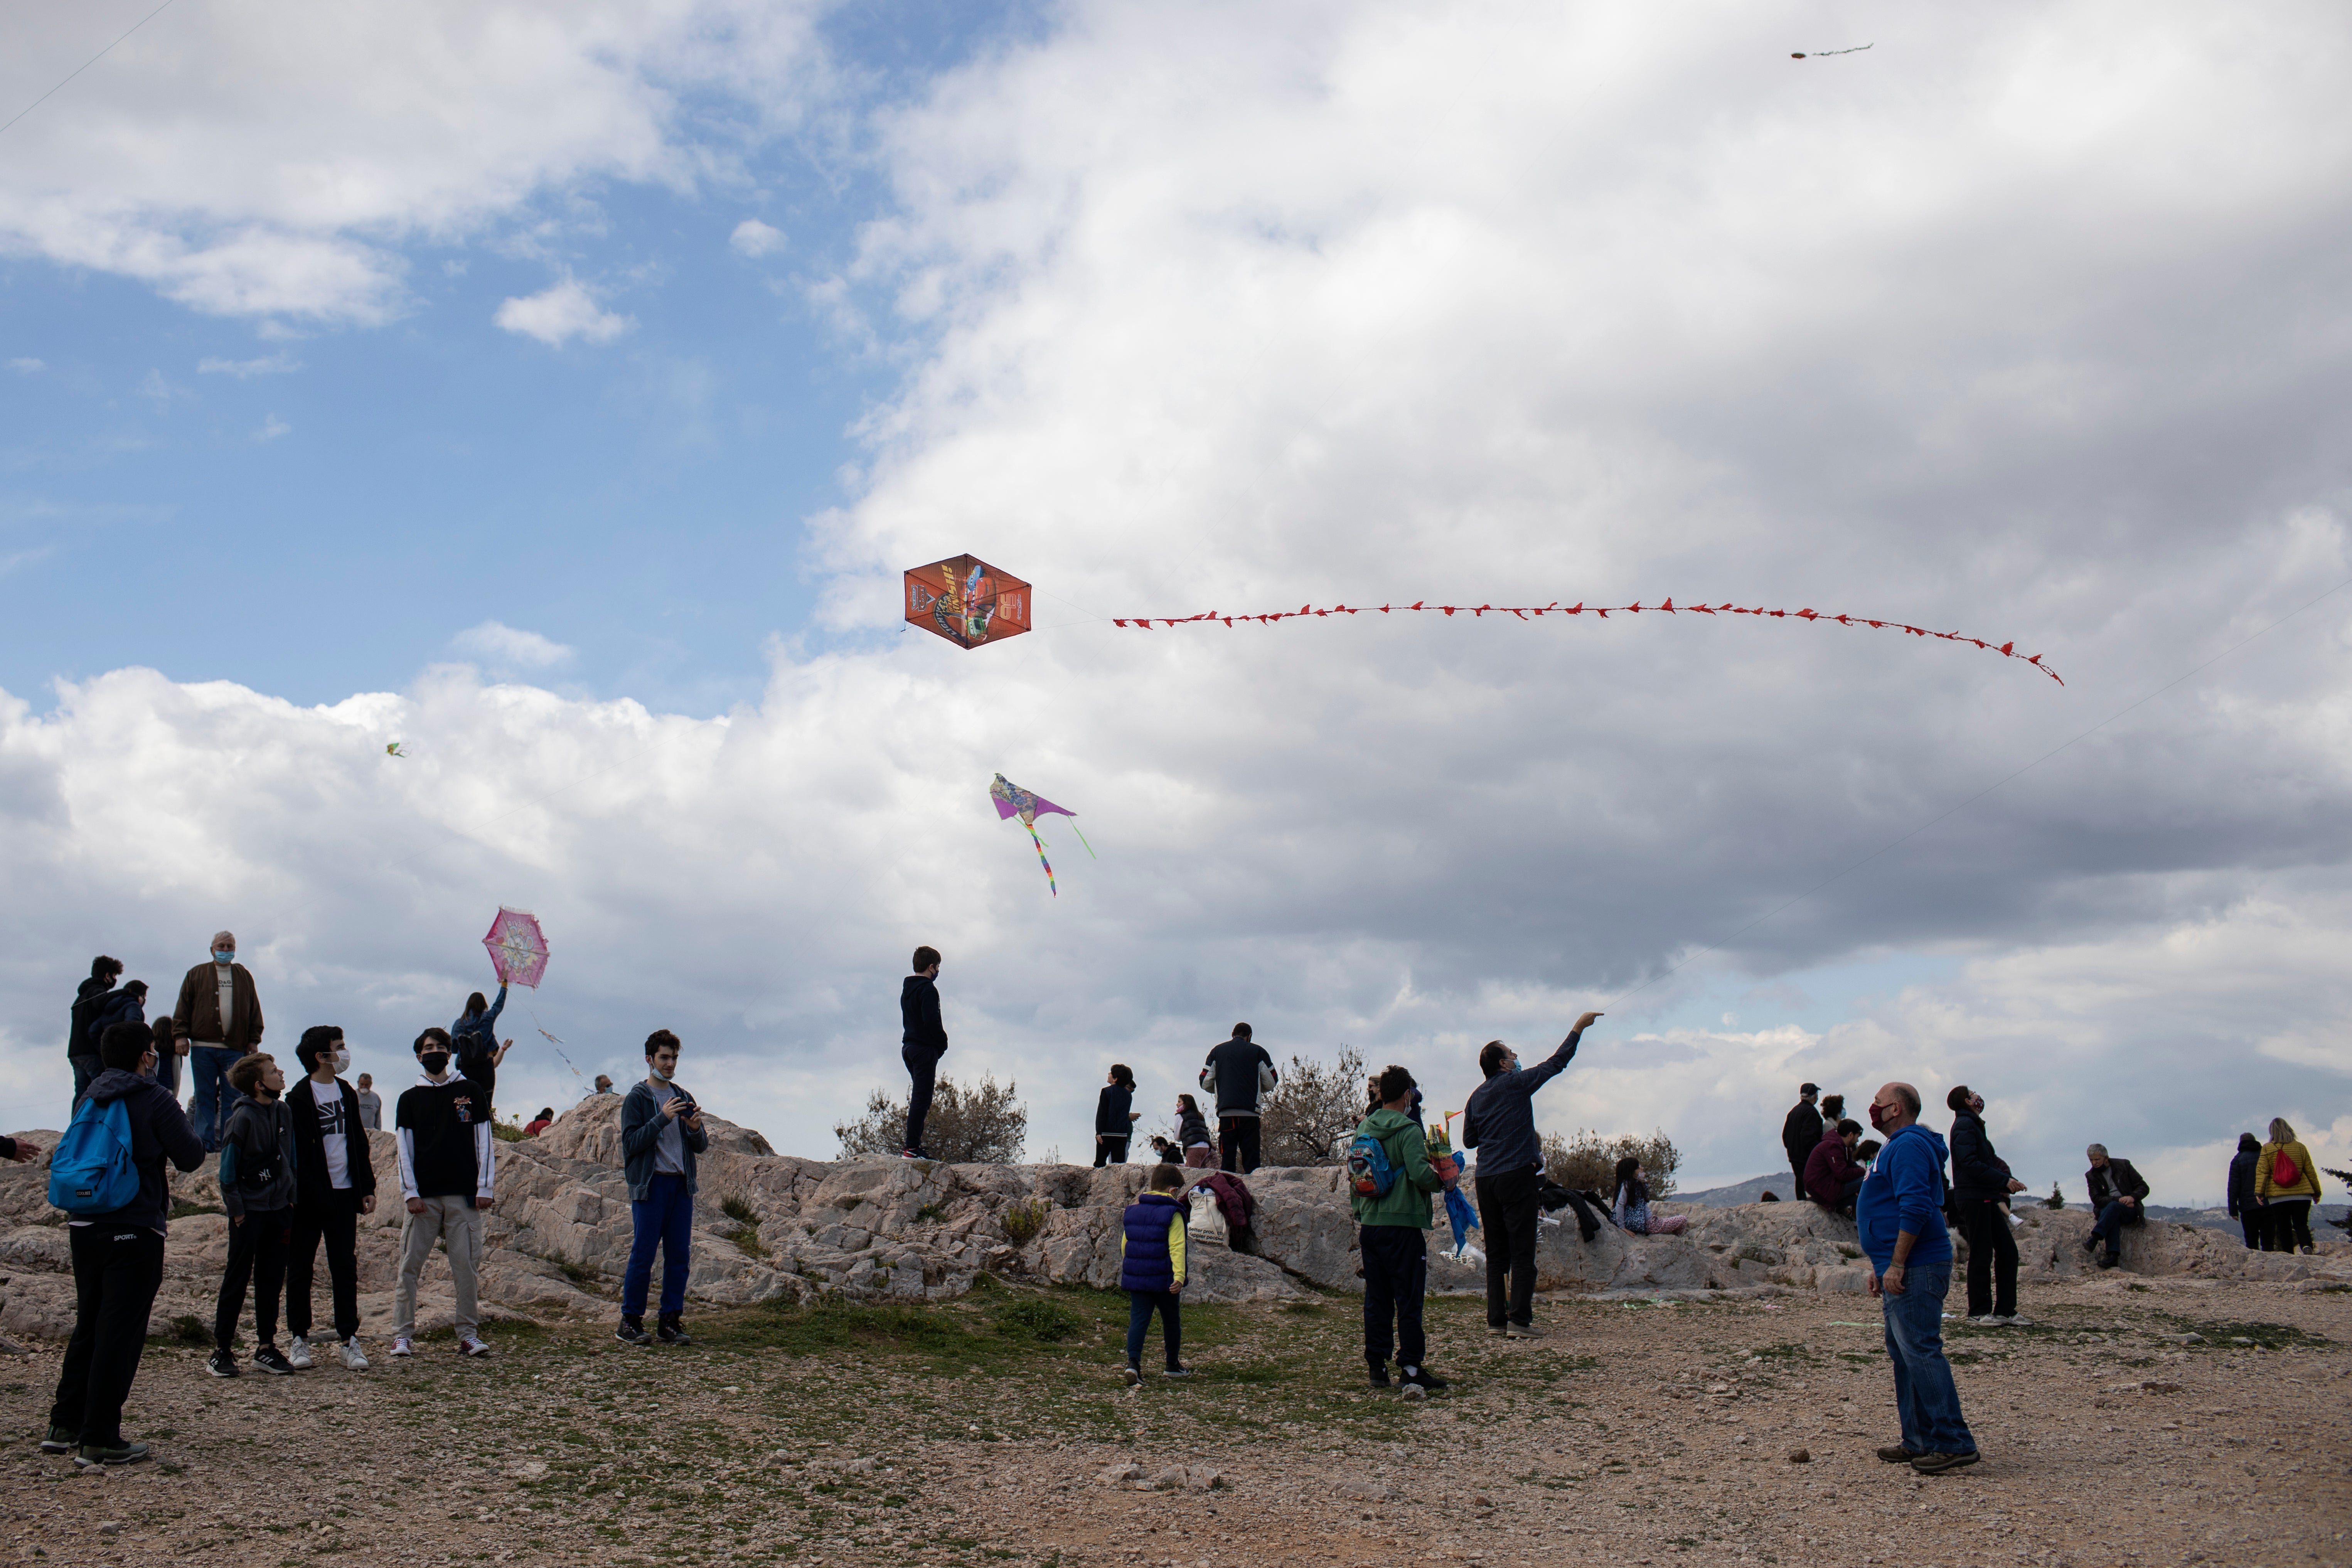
x=661 y=1132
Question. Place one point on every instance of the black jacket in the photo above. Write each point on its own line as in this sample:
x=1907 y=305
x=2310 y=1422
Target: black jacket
x=1110 y=1112
x=257 y=1163
x=313 y=1187
x=1977 y=1171
x=2117 y=1181
x=91 y=992
x=1499 y=1120
x=1193 y=1127
x=114 y=1008
x=2241 y=1174
x=1801 y=1134
x=159 y=1132
x=919 y=1008
x=1238 y=1068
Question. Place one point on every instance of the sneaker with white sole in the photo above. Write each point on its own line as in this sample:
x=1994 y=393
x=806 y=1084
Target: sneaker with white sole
x=2014 y=1321
x=221 y=1363
x=401 y=1347
x=272 y=1360
x=471 y=1345
x=353 y=1357
x=1523 y=1332
x=297 y=1353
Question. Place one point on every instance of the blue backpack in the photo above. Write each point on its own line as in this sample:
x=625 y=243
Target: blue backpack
x=92 y=1172
x=1370 y=1175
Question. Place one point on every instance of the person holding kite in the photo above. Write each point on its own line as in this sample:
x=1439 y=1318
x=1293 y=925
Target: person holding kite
x=475 y=1038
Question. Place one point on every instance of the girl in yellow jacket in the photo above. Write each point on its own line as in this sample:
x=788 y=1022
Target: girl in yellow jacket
x=2287 y=1184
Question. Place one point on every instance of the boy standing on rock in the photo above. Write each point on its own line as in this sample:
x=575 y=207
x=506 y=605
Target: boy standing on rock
x=447 y=1161
x=1393 y=1237
x=1151 y=1268
x=923 y=1041
x=661 y=1132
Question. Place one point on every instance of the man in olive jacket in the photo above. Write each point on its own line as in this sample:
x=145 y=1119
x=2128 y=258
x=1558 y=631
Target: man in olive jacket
x=1394 y=1236
x=219 y=1013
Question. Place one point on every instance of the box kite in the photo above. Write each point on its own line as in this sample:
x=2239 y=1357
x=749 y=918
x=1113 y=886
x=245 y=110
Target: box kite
x=967 y=601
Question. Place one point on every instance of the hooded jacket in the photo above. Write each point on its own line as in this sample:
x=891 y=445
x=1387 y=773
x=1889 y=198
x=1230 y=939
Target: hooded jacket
x=1499 y=1121
x=159 y=1132
x=2242 y=1195
x=919 y=1009
x=257 y=1157
x=313 y=1185
x=89 y=993
x=197 y=1012
x=123 y=1006
x=1977 y=1171
x=1407 y=1201
x=1905 y=1191
x=1828 y=1168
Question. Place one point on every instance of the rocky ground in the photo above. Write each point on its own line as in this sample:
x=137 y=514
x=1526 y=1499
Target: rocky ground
x=910 y=1363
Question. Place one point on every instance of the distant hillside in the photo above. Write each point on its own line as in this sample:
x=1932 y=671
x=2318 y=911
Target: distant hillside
x=1753 y=1190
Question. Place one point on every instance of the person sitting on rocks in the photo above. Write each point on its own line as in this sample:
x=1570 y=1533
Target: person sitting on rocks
x=1633 y=1204
x=2117 y=1194
x=539 y=1123
x=1168 y=1154
x=1831 y=1175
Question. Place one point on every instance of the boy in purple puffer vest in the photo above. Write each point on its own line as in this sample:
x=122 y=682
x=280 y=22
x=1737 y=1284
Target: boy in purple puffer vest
x=1151 y=1267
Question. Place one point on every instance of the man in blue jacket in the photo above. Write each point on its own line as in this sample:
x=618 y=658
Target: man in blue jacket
x=661 y=1132
x=1900 y=1211
x=1499 y=1122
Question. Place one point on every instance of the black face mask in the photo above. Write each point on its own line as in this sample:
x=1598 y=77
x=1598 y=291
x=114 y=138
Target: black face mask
x=435 y=1063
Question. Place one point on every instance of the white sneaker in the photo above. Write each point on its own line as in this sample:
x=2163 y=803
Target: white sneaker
x=352 y=1358
x=402 y=1347
x=1985 y=1320
x=2014 y=1321
x=471 y=1345
x=297 y=1353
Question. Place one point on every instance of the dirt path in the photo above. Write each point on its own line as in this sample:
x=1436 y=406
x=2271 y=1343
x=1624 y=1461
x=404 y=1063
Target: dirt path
x=977 y=1433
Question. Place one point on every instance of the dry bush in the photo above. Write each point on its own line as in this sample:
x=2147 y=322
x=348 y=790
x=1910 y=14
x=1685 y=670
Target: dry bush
x=979 y=1126
x=1588 y=1162
x=1308 y=1117
x=1024 y=1220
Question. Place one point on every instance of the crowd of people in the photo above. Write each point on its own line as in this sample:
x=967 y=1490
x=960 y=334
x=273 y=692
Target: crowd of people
x=296 y=1171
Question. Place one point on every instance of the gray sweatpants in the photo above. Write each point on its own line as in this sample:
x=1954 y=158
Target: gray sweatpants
x=458 y=1222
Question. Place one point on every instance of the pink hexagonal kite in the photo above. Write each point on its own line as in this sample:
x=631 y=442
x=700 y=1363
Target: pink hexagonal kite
x=518 y=949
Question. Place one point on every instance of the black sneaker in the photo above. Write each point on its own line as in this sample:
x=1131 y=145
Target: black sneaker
x=90 y=1455
x=60 y=1440
x=270 y=1358
x=1380 y=1376
x=670 y=1331
x=1178 y=1371
x=2111 y=1259
x=632 y=1332
x=1421 y=1377
x=223 y=1364
x=1133 y=1375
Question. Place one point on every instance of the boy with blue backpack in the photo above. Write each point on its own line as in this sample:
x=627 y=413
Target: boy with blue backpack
x=1151 y=1268
x=107 y=1175
x=1389 y=1181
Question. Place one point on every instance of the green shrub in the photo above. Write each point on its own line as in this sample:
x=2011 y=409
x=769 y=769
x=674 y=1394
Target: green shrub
x=1023 y=1221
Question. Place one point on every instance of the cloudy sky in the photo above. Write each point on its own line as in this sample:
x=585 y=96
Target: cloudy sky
x=559 y=389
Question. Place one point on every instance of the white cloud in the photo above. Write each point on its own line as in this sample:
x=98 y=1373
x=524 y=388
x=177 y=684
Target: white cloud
x=752 y=237
x=271 y=429
x=246 y=369
x=561 y=312
x=26 y=365
x=272 y=161
x=509 y=647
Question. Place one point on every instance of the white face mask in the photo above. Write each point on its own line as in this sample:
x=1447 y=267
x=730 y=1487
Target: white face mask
x=342 y=1061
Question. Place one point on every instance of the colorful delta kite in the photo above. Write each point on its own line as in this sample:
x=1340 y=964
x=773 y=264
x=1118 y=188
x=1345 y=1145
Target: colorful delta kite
x=394 y=751
x=967 y=601
x=1012 y=800
x=517 y=950
x=1537 y=612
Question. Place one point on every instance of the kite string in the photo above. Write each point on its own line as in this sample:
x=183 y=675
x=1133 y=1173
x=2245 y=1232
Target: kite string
x=1997 y=783
x=85 y=66
x=1527 y=612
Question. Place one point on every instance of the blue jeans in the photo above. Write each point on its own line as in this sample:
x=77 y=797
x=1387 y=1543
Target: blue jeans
x=665 y=1219
x=210 y=1064
x=1925 y=1395
x=1140 y=1305
x=2109 y=1227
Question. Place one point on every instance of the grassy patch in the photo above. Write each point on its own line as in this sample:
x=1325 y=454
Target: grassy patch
x=1039 y=1317
x=736 y=1208
x=2267 y=1336
x=181 y=1209
x=186 y=1329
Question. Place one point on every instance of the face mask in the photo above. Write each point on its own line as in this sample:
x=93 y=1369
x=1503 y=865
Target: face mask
x=657 y=1072
x=342 y=1061
x=1878 y=1117
x=224 y=955
x=435 y=1063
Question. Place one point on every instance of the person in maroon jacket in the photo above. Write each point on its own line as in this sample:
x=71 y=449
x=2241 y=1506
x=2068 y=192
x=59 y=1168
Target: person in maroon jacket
x=1832 y=1177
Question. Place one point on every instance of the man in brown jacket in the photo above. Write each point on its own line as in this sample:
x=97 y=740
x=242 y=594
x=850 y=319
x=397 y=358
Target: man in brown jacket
x=219 y=1013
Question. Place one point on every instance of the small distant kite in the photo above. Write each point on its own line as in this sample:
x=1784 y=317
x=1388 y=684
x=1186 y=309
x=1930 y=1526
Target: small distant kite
x=518 y=949
x=394 y=751
x=1012 y=800
x=551 y=1040
x=1824 y=54
x=967 y=601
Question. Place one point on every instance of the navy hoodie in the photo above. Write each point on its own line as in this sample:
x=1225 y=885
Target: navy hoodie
x=159 y=1132
x=919 y=1006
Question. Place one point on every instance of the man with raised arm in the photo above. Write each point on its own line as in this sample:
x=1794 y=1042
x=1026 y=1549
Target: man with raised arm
x=1499 y=1122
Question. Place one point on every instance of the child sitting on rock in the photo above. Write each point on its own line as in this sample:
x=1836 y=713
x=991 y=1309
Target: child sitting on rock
x=1633 y=1204
x=1151 y=1267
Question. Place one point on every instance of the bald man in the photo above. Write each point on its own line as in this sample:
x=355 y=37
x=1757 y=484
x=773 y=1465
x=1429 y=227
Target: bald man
x=1900 y=1211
